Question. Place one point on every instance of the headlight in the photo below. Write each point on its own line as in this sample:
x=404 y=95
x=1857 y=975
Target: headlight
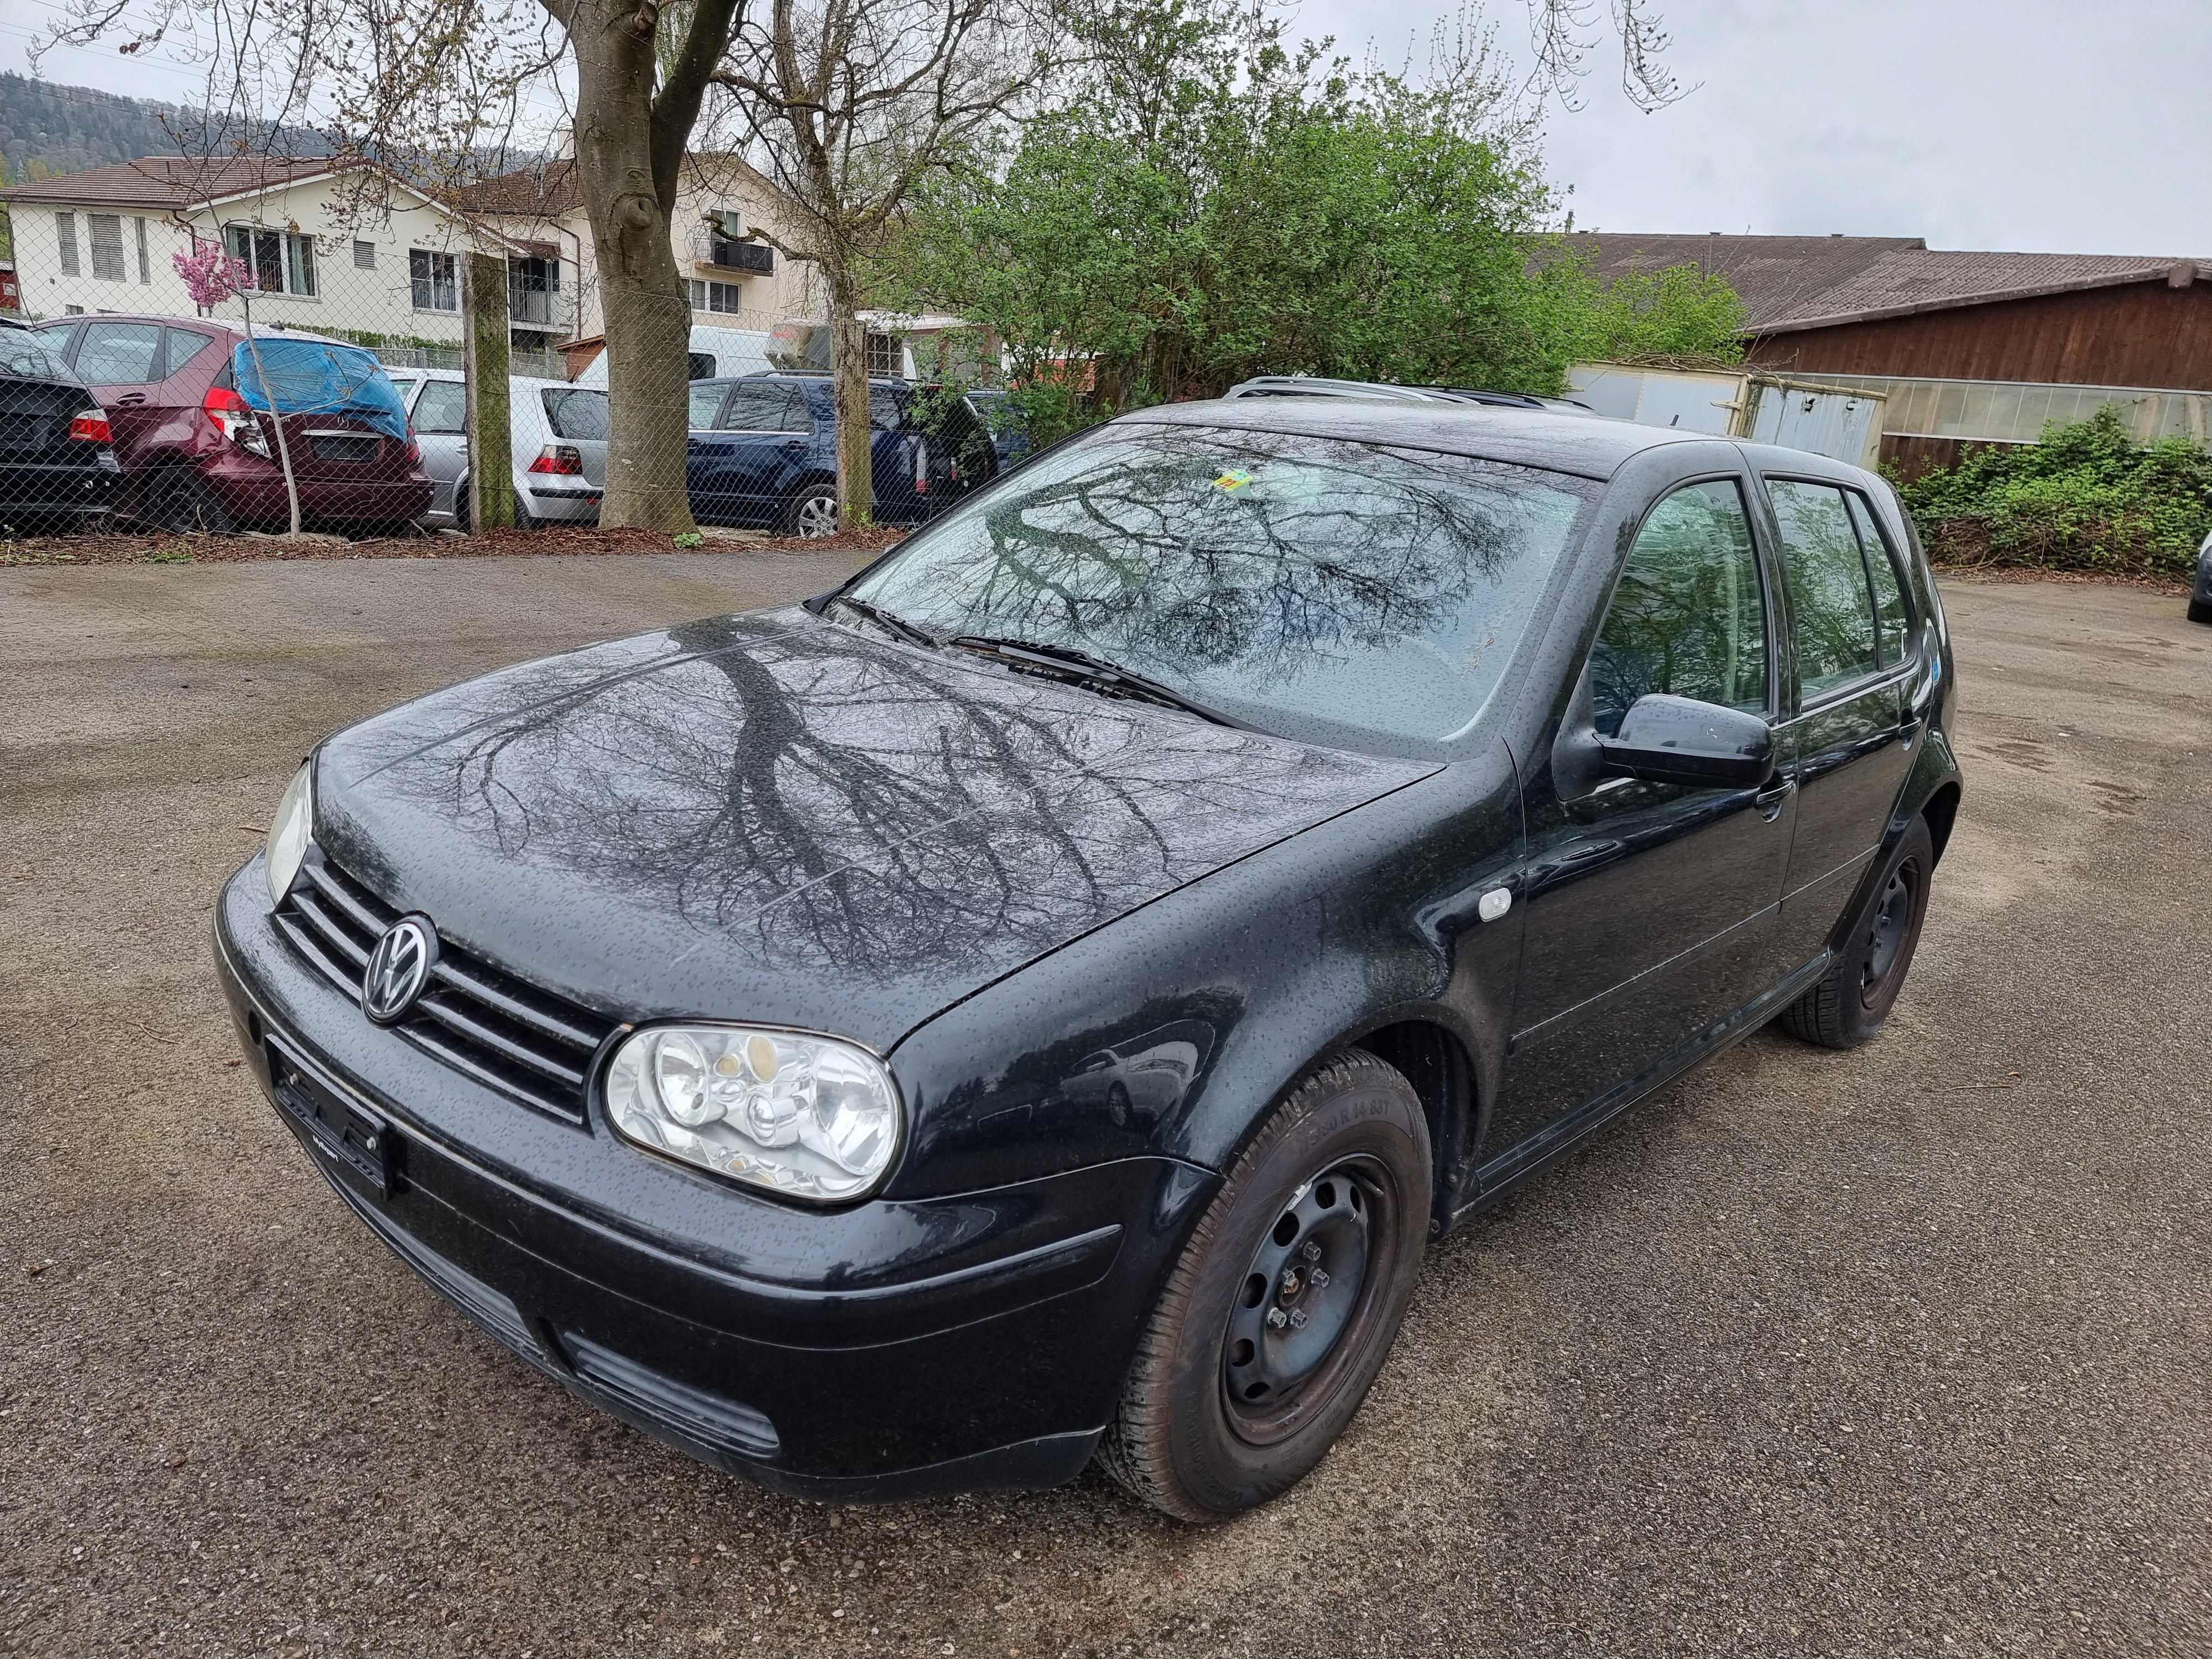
x=807 y=1117
x=289 y=832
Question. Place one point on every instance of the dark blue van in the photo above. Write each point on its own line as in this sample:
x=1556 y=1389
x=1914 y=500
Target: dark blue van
x=764 y=451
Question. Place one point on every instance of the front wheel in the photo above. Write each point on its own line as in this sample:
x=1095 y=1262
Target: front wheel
x=1285 y=1302
x=1850 y=1001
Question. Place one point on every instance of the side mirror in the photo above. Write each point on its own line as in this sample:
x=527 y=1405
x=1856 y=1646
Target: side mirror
x=1699 y=745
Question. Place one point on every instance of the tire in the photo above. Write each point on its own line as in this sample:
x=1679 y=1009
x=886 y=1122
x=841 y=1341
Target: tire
x=1850 y=1003
x=177 y=499
x=1226 y=1406
x=2200 y=610
x=811 y=511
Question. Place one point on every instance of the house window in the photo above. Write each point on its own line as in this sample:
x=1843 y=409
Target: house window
x=281 y=261
x=717 y=296
x=883 y=354
x=65 y=228
x=532 y=284
x=436 y=279
x=364 y=255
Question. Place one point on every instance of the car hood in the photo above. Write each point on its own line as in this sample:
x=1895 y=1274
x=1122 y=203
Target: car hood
x=777 y=817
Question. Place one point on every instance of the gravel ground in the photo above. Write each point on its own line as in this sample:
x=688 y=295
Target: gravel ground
x=1899 y=1351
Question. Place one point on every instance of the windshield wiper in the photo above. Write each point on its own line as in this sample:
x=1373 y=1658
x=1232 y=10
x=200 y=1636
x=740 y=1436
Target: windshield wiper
x=889 y=621
x=1080 y=667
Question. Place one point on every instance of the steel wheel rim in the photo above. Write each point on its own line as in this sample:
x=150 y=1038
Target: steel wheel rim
x=1294 y=1326
x=817 y=516
x=1893 y=918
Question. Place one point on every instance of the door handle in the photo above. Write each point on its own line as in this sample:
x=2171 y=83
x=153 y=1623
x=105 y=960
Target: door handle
x=130 y=398
x=1771 y=799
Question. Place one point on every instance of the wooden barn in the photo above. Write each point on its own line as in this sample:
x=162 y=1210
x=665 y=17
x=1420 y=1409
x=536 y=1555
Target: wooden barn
x=1968 y=346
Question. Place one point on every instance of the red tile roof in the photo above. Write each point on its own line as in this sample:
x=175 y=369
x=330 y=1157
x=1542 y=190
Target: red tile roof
x=543 y=191
x=168 y=181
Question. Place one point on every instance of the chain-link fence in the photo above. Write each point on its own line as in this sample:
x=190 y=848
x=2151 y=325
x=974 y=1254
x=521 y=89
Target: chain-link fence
x=331 y=367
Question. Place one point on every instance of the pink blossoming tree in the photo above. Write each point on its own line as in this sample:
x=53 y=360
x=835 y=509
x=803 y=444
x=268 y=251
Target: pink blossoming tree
x=210 y=277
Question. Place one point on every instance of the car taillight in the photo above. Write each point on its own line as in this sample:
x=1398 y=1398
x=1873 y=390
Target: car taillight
x=231 y=416
x=559 y=457
x=91 y=427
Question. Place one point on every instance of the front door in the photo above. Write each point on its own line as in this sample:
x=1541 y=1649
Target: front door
x=1849 y=749
x=1651 y=907
x=440 y=419
x=756 y=449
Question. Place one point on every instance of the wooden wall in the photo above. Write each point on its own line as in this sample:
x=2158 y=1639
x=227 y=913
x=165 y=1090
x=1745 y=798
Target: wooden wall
x=2145 y=334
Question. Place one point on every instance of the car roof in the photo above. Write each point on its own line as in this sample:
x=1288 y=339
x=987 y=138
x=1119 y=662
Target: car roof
x=1575 y=444
x=224 y=324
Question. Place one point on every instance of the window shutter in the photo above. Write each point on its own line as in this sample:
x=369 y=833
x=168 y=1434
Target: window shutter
x=65 y=228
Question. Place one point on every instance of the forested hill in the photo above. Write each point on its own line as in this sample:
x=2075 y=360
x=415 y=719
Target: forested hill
x=69 y=129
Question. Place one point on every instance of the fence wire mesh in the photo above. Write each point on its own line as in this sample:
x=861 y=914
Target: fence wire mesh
x=124 y=403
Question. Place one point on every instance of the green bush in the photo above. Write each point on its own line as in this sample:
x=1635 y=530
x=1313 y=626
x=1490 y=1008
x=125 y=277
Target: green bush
x=2086 y=498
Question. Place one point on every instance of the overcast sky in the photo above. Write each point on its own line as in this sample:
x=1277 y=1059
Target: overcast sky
x=2071 y=126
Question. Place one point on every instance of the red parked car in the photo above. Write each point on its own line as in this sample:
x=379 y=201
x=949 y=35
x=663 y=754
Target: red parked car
x=195 y=433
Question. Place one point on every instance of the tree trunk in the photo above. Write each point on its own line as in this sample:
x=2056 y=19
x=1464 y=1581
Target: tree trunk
x=641 y=297
x=849 y=390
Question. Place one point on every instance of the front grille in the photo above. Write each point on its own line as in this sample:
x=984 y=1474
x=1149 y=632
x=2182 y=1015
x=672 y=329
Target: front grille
x=506 y=1035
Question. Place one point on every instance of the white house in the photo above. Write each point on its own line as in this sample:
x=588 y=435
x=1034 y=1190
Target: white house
x=342 y=250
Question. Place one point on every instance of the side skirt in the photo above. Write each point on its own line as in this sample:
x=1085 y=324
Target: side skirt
x=1500 y=1175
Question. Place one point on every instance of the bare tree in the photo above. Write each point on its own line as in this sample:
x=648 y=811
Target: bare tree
x=845 y=105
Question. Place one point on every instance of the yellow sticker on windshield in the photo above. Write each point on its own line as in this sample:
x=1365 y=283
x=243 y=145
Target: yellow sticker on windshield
x=1233 y=480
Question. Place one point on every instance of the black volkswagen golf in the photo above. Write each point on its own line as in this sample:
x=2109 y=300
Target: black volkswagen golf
x=1039 y=1001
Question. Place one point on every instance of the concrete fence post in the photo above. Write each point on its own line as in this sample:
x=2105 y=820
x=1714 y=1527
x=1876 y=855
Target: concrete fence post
x=491 y=442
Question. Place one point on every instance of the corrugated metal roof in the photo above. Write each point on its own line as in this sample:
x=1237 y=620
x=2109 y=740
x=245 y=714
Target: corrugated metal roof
x=1793 y=282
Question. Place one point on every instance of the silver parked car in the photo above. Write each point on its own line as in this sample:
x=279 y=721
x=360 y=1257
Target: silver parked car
x=559 y=435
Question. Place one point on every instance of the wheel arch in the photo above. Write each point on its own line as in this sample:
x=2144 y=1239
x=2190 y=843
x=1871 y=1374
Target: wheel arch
x=1941 y=811
x=1434 y=1060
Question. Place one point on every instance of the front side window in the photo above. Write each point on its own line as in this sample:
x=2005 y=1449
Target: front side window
x=1301 y=582
x=280 y=261
x=1688 y=617
x=119 y=354
x=1833 y=606
x=434 y=280
x=443 y=407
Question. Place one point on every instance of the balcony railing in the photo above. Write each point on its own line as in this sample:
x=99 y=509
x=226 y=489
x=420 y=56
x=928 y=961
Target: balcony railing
x=757 y=258
x=529 y=306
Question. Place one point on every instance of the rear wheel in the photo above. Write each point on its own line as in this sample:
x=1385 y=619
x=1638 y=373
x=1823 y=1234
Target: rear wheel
x=1850 y=1002
x=811 y=511
x=1285 y=1302
x=176 y=498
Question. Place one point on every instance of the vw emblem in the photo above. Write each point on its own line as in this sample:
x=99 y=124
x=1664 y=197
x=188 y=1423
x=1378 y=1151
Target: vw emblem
x=399 y=968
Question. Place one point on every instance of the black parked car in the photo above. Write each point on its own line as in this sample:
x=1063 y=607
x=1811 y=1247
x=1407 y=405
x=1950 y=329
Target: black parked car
x=764 y=451
x=57 y=467
x=1040 y=999
x=2200 y=597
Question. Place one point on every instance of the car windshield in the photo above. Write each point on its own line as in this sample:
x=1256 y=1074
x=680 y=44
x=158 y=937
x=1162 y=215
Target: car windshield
x=1339 y=585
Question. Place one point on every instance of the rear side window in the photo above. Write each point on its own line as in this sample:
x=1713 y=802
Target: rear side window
x=764 y=406
x=576 y=414
x=885 y=412
x=184 y=346
x=1881 y=565
x=1688 y=618
x=23 y=357
x=443 y=407
x=1833 y=620
x=119 y=354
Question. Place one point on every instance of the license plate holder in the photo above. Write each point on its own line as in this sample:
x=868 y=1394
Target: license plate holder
x=342 y=1130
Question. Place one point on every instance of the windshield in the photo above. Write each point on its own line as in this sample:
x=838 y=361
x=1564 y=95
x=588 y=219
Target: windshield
x=1347 y=585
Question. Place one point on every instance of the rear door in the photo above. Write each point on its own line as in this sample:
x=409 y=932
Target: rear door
x=1849 y=746
x=1651 y=908
x=122 y=363
x=897 y=456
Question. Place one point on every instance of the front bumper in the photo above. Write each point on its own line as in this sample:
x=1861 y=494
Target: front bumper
x=882 y=1351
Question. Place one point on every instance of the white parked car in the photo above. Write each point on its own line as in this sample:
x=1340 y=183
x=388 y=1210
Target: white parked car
x=559 y=438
